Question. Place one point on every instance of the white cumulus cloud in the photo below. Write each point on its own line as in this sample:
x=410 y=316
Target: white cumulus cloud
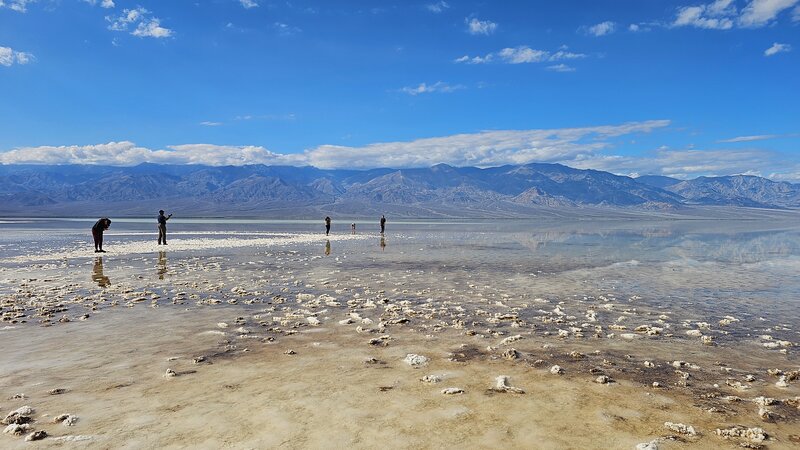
x=247 y=4
x=761 y=12
x=485 y=27
x=103 y=3
x=777 y=48
x=17 y=5
x=9 y=57
x=602 y=28
x=723 y=14
x=483 y=149
x=139 y=22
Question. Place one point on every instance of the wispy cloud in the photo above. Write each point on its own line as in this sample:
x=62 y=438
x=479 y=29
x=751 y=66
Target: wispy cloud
x=289 y=116
x=560 y=68
x=285 y=29
x=139 y=22
x=777 y=48
x=9 y=57
x=683 y=163
x=437 y=7
x=17 y=5
x=476 y=26
x=247 y=4
x=207 y=123
x=757 y=137
x=602 y=28
x=424 y=88
x=521 y=55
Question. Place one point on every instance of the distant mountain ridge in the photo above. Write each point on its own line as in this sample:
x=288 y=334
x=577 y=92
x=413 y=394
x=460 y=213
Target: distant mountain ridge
x=511 y=190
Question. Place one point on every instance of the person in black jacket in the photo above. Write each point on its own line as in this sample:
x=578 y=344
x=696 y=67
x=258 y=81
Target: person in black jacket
x=327 y=225
x=162 y=227
x=383 y=223
x=97 y=233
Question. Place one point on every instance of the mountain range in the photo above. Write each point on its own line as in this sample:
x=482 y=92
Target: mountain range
x=438 y=191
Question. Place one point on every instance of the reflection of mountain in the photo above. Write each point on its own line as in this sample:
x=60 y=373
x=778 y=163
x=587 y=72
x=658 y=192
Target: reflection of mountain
x=439 y=191
x=684 y=241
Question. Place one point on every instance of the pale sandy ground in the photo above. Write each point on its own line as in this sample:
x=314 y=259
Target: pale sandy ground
x=324 y=396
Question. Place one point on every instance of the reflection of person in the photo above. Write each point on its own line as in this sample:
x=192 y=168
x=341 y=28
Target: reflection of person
x=162 y=227
x=383 y=223
x=327 y=225
x=327 y=248
x=97 y=273
x=383 y=243
x=162 y=264
x=97 y=233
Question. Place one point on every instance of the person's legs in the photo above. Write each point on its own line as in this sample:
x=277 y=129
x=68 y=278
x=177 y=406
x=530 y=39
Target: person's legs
x=100 y=242
x=162 y=235
x=96 y=238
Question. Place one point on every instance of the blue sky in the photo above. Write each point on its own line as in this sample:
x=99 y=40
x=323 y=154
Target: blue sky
x=681 y=88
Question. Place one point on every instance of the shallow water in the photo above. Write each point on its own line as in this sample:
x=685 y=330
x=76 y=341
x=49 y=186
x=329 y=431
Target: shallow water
x=595 y=297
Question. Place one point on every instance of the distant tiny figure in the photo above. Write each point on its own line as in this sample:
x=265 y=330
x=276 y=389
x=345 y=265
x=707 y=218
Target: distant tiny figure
x=383 y=223
x=327 y=225
x=97 y=233
x=327 y=248
x=353 y=227
x=162 y=227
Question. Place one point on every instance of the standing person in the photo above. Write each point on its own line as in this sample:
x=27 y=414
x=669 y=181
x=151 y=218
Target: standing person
x=383 y=223
x=97 y=233
x=162 y=227
x=327 y=225
x=353 y=227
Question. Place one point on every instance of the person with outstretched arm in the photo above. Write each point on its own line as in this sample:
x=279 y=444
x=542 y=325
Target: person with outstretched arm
x=97 y=233
x=162 y=227
x=383 y=223
x=327 y=225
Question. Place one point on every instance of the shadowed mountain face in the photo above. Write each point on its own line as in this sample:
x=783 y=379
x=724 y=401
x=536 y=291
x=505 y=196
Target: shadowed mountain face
x=439 y=190
x=735 y=190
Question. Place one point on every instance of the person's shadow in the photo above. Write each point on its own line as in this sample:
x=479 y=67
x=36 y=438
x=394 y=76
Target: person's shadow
x=162 y=265
x=327 y=248
x=97 y=273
